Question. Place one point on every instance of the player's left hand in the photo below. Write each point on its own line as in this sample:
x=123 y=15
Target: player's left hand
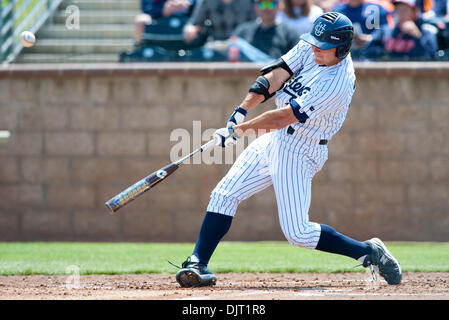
x=225 y=137
x=237 y=117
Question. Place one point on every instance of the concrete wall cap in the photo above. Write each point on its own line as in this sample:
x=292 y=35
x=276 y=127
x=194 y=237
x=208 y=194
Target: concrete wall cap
x=423 y=69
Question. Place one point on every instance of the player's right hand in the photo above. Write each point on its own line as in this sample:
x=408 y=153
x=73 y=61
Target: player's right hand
x=237 y=117
x=225 y=137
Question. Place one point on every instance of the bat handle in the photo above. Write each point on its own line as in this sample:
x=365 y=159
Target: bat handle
x=205 y=146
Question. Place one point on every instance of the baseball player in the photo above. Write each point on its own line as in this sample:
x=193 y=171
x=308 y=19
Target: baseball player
x=313 y=84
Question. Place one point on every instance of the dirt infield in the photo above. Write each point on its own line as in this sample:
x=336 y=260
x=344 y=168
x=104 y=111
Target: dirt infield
x=230 y=286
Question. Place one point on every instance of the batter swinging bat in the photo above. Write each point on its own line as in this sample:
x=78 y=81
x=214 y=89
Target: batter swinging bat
x=137 y=189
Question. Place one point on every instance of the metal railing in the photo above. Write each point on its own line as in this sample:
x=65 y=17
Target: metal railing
x=17 y=16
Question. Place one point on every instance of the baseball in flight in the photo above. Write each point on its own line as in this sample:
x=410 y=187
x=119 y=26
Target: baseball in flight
x=27 y=39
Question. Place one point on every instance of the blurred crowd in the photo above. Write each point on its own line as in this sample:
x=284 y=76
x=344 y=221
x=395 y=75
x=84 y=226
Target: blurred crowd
x=262 y=30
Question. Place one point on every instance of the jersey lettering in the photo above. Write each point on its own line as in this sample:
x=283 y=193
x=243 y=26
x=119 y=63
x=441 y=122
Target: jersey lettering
x=295 y=89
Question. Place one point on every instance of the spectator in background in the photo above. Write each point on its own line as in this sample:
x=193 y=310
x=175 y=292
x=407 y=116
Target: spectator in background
x=434 y=9
x=441 y=8
x=299 y=14
x=326 y=5
x=410 y=39
x=267 y=33
x=367 y=17
x=218 y=18
x=427 y=7
x=157 y=9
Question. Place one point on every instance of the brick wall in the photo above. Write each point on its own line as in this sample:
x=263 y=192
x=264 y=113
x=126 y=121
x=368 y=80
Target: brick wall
x=81 y=134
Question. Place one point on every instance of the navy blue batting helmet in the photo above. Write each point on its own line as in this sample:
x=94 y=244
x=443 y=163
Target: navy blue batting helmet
x=331 y=30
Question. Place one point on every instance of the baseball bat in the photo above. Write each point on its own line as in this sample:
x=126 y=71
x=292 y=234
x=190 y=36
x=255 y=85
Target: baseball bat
x=145 y=184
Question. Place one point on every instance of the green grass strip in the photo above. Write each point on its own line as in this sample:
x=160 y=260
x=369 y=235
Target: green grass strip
x=120 y=258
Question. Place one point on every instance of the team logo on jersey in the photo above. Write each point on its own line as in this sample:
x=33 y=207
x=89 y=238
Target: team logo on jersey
x=319 y=29
x=295 y=88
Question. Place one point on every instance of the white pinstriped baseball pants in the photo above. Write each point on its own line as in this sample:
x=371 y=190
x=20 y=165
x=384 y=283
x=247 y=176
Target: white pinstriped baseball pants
x=288 y=164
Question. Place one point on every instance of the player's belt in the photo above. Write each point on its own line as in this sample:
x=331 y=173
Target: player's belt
x=290 y=131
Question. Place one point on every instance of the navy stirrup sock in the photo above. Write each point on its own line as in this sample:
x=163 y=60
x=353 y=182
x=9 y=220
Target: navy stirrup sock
x=334 y=242
x=213 y=229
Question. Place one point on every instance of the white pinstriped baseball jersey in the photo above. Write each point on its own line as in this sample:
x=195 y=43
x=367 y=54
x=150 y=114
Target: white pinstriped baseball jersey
x=324 y=93
x=288 y=159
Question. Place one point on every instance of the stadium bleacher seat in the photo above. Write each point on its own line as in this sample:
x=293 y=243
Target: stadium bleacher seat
x=168 y=33
x=163 y=41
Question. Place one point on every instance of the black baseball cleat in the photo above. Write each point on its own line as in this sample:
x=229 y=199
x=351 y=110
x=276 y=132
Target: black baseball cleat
x=195 y=274
x=381 y=261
